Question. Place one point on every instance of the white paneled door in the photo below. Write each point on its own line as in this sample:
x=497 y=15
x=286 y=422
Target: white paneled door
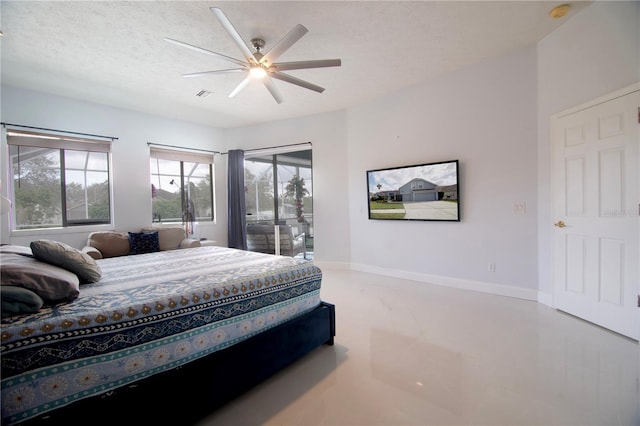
x=596 y=205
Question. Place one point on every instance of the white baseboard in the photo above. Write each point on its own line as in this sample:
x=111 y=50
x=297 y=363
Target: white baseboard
x=546 y=299
x=484 y=287
x=343 y=266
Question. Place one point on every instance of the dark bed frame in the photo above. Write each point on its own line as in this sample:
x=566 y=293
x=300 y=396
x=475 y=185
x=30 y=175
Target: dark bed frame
x=186 y=394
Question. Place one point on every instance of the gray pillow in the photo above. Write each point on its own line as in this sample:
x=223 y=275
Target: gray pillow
x=51 y=283
x=19 y=300
x=67 y=257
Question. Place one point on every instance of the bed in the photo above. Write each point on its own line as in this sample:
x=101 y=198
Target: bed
x=188 y=329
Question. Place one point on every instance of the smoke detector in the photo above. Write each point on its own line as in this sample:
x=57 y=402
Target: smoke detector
x=559 y=11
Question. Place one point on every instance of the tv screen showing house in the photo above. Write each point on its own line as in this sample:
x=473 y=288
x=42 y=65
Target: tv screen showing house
x=418 y=192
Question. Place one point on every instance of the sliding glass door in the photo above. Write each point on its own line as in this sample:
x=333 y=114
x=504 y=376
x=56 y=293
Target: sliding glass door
x=279 y=191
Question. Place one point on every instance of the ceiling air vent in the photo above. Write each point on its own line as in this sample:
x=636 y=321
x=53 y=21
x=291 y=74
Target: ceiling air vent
x=203 y=93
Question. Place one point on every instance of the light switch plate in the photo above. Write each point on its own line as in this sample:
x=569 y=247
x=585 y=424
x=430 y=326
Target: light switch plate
x=519 y=207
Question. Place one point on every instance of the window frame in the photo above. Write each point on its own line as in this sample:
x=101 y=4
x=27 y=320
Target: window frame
x=183 y=156
x=60 y=143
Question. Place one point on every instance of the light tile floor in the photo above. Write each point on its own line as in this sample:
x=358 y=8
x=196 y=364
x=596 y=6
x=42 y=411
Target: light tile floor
x=409 y=353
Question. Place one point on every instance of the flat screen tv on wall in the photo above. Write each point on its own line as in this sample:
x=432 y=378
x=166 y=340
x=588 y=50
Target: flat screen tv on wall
x=427 y=191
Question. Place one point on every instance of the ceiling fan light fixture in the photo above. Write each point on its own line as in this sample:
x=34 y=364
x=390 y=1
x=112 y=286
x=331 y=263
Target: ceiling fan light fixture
x=258 y=66
x=258 y=72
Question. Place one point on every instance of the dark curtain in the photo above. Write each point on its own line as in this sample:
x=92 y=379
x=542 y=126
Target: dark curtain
x=237 y=209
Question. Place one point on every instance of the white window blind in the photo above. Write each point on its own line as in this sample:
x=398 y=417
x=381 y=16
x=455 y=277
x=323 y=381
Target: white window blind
x=20 y=138
x=260 y=152
x=179 y=155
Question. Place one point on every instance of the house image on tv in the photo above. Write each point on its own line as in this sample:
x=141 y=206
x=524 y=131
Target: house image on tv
x=419 y=189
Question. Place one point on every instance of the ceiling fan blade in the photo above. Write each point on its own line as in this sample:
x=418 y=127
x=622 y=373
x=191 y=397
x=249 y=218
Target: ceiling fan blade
x=299 y=65
x=285 y=43
x=268 y=83
x=293 y=80
x=205 y=51
x=235 y=35
x=199 y=74
x=240 y=86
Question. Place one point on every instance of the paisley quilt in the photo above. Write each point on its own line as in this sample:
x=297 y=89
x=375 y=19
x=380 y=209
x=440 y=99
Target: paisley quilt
x=148 y=313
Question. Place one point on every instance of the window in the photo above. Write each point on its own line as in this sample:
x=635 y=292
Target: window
x=58 y=181
x=181 y=186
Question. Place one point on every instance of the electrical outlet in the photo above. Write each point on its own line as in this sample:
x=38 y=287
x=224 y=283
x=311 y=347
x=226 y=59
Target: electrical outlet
x=491 y=267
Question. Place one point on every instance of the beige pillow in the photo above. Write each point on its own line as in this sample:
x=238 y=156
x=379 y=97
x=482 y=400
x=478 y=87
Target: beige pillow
x=169 y=237
x=52 y=283
x=67 y=257
x=110 y=243
x=92 y=251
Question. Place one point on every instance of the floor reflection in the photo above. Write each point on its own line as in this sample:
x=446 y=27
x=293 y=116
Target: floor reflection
x=410 y=353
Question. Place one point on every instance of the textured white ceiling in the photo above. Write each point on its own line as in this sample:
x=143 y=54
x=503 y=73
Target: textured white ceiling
x=112 y=52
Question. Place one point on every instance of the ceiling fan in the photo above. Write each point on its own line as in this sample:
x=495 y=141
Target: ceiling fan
x=258 y=65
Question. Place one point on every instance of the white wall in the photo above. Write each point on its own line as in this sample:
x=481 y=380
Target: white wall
x=596 y=52
x=483 y=116
x=327 y=134
x=130 y=157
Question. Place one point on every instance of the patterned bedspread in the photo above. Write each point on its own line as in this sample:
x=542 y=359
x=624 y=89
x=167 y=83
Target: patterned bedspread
x=149 y=313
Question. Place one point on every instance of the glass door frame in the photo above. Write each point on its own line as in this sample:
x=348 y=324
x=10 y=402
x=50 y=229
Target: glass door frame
x=300 y=159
